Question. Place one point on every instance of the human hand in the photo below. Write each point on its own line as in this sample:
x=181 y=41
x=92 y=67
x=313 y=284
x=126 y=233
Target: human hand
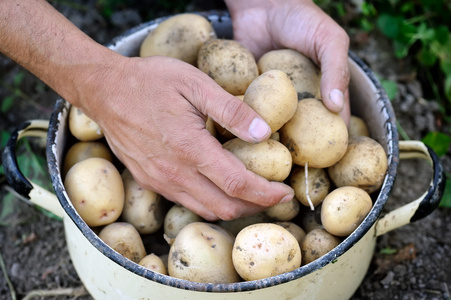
x=262 y=26
x=153 y=114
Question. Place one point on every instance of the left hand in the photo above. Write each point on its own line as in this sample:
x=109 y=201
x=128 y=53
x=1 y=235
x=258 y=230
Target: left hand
x=301 y=25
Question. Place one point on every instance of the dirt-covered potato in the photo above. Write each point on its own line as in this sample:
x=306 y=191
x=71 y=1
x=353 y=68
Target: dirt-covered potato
x=285 y=211
x=294 y=229
x=95 y=188
x=273 y=96
x=269 y=159
x=344 y=209
x=265 y=249
x=316 y=243
x=357 y=127
x=124 y=239
x=364 y=165
x=180 y=36
x=304 y=74
x=229 y=63
x=176 y=218
x=154 y=263
x=202 y=252
x=83 y=127
x=236 y=225
x=143 y=208
x=318 y=184
x=83 y=150
x=315 y=135
x=310 y=219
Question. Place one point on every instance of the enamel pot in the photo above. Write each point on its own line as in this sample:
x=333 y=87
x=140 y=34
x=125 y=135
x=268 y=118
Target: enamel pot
x=108 y=275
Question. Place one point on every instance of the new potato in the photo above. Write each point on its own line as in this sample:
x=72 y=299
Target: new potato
x=230 y=64
x=83 y=150
x=180 y=36
x=315 y=135
x=83 y=127
x=317 y=184
x=303 y=73
x=273 y=97
x=316 y=243
x=269 y=159
x=95 y=188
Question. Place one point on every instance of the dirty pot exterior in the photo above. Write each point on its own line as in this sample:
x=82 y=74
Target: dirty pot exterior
x=108 y=275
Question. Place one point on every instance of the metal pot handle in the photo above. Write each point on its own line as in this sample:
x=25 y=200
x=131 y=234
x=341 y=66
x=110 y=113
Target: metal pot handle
x=34 y=193
x=428 y=202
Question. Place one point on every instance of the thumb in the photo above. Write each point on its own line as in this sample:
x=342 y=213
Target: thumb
x=232 y=113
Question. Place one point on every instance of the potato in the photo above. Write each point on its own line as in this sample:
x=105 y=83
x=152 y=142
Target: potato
x=95 y=188
x=124 y=239
x=294 y=229
x=202 y=252
x=344 y=209
x=229 y=63
x=83 y=150
x=269 y=159
x=176 y=218
x=265 y=249
x=154 y=263
x=143 y=208
x=316 y=243
x=364 y=165
x=310 y=219
x=273 y=97
x=357 y=127
x=284 y=211
x=303 y=73
x=315 y=135
x=318 y=184
x=236 y=225
x=180 y=36
x=82 y=127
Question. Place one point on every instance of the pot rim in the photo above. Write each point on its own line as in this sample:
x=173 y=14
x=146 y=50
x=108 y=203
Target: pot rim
x=330 y=257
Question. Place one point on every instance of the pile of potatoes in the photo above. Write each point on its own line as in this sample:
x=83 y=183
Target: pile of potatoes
x=333 y=169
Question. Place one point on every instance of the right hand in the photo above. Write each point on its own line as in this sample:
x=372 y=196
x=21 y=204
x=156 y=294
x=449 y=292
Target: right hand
x=153 y=113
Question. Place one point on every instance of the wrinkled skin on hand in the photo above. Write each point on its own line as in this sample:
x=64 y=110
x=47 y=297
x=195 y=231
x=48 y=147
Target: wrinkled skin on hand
x=156 y=127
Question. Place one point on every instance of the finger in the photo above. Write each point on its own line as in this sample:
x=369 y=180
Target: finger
x=225 y=109
x=333 y=57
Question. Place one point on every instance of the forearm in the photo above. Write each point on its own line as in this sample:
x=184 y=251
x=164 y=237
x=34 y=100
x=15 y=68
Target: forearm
x=40 y=39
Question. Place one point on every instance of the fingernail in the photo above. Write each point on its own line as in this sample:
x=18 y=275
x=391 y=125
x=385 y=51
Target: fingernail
x=287 y=198
x=337 y=97
x=259 y=129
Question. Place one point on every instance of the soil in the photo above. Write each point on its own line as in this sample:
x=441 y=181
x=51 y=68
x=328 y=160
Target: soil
x=411 y=262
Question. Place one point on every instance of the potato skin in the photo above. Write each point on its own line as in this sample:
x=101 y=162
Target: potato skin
x=344 y=209
x=265 y=249
x=95 y=188
x=125 y=239
x=273 y=97
x=154 y=263
x=269 y=159
x=143 y=208
x=83 y=150
x=229 y=63
x=286 y=211
x=357 y=127
x=180 y=36
x=83 y=127
x=316 y=243
x=364 y=165
x=202 y=252
x=318 y=184
x=176 y=218
x=315 y=135
x=303 y=73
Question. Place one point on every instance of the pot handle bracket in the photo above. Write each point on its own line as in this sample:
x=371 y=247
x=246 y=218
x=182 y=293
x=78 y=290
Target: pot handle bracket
x=33 y=193
x=428 y=202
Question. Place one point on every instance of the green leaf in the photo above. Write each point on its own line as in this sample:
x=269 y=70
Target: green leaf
x=441 y=34
x=390 y=88
x=446 y=199
x=18 y=78
x=438 y=141
x=447 y=87
x=389 y=25
x=7 y=103
x=427 y=57
x=388 y=251
x=7 y=208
